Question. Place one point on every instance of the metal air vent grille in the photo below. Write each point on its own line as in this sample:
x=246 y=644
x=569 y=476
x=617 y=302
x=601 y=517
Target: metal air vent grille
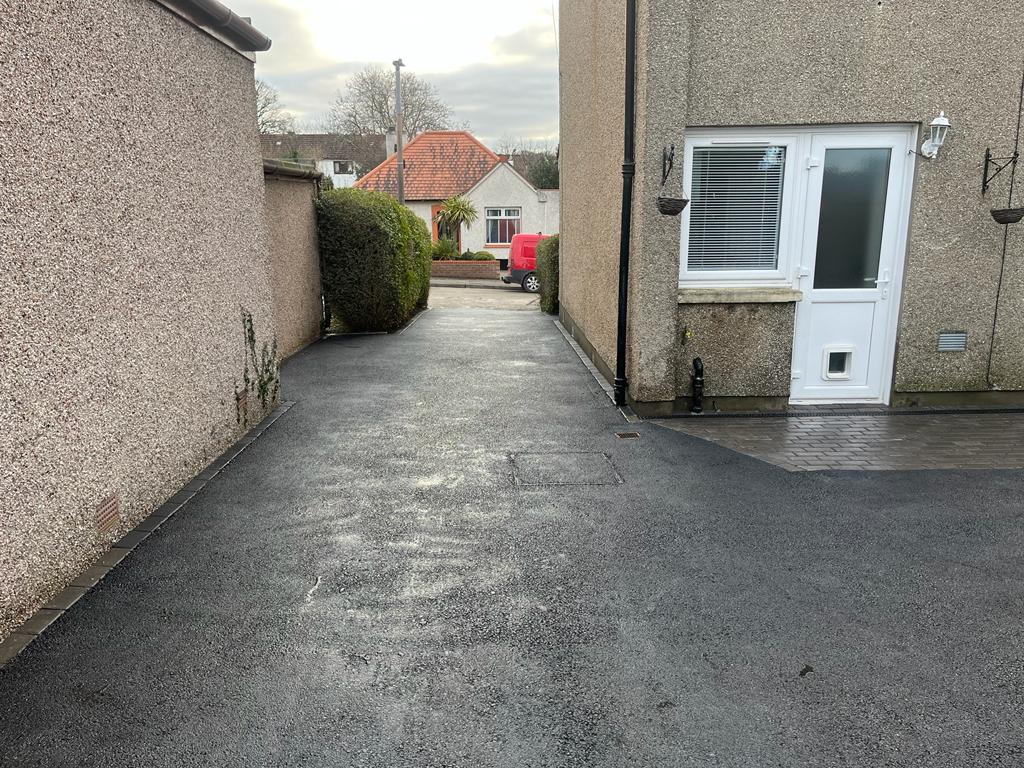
x=108 y=514
x=952 y=341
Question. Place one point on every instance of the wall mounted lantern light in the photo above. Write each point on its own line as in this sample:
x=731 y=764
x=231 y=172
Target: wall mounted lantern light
x=939 y=129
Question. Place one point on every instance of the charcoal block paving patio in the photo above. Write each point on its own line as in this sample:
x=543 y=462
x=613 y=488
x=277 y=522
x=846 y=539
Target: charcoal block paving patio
x=376 y=581
x=806 y=443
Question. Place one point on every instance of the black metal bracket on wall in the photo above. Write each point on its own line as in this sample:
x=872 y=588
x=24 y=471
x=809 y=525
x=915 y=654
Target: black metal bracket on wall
x=994 y=162
x=1000 y=164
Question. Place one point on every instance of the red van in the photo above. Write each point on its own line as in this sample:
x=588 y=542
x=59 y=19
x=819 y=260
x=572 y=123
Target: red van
x=522 y=260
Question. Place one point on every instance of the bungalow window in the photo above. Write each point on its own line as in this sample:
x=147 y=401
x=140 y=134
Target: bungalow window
x=735 y=227
x=502 y=224
x=342 y=167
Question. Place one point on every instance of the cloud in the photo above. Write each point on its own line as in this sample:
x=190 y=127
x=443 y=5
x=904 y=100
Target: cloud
x=292 y=48
x=515 y=94
x=505 y=85
x=306 y=79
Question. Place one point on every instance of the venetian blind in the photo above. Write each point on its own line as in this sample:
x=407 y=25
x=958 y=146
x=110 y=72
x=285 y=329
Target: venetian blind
x=735 y=208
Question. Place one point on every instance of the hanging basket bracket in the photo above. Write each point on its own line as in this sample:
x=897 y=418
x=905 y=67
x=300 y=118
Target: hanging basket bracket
x=994 y=166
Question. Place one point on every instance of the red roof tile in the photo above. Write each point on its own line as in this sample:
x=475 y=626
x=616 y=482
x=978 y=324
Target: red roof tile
x=438 y=165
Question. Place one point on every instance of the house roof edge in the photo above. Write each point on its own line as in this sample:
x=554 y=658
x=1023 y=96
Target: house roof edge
x=220 y=22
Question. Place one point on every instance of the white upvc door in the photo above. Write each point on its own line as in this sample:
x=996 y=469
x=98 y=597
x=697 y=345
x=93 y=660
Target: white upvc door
x=850 y=265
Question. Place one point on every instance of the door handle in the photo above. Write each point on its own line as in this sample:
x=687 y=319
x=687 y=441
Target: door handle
x=883 y=283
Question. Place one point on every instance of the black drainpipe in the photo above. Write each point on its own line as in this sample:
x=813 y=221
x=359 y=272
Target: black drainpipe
x=628 y=171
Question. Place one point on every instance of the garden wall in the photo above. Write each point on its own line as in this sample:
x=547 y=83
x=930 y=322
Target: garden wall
x=465 y=270
x=133 y=238
x=294 y=254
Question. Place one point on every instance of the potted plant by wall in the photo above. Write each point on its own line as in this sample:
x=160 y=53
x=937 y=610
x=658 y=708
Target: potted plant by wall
x=454 y=213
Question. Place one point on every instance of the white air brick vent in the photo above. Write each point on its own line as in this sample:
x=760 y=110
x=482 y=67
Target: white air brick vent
x=952 y=341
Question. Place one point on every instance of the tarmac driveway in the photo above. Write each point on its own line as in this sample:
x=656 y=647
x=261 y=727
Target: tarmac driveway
x=443 y=555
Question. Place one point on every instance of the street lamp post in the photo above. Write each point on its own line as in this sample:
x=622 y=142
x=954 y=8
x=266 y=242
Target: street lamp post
x=399 y=130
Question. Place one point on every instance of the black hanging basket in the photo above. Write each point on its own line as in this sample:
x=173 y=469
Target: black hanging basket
x=1008 y=215
x=671 y=206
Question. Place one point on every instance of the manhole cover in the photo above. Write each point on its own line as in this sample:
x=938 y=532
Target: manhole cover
x=564 y=469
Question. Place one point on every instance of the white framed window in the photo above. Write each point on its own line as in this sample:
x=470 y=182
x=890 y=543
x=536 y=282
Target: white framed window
x=502 y=224
x=342 y=167
x=743 y=187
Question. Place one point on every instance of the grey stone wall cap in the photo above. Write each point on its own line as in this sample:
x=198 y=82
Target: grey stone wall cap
x=285 y=169
x=217 y=18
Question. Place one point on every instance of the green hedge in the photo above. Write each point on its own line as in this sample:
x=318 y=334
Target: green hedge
x=447 y=250
x=547 y=272
x=376 y=256
x=420 y=235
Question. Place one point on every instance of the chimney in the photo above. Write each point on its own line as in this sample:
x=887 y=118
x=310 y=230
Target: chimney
x=391 y=141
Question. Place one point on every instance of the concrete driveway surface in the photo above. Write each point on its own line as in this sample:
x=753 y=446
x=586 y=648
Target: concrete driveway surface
x=469 y=297
x=401 y=572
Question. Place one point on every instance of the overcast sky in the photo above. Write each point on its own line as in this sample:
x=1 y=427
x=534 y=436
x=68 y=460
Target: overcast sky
x=495 y=64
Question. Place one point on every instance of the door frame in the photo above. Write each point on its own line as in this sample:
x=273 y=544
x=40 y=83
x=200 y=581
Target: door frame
x=903 y=187
x=434 y=210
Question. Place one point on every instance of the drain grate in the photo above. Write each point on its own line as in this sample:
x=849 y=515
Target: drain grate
x=628 y=435
x=583 y=468
x=108 y=514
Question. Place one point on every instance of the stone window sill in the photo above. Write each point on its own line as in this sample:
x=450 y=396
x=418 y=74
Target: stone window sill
x=740 y=295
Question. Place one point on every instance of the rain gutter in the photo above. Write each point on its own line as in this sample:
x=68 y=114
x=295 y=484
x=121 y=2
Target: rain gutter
x=221 y=22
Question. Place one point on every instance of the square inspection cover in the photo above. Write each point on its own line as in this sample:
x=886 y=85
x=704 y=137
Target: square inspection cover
x=564 y=469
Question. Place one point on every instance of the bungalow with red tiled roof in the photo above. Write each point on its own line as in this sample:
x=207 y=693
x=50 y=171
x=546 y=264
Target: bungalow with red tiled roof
x=444 y=164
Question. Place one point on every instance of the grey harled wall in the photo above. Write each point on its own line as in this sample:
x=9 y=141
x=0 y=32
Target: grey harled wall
x=663 y=34
x=747 y=62
x=132 y=235
x=591 y=97
x=894 y=61
x=592 y=72
x=295 y=256
x=760 y=336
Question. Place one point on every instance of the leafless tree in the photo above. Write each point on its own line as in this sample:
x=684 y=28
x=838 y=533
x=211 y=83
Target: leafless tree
x=510 y=146
x=271 y=116
x=534 y=159
x=320 y=122
x=368 y=104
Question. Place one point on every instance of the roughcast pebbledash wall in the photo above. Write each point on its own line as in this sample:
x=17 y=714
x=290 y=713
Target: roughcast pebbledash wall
x=132 y=240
